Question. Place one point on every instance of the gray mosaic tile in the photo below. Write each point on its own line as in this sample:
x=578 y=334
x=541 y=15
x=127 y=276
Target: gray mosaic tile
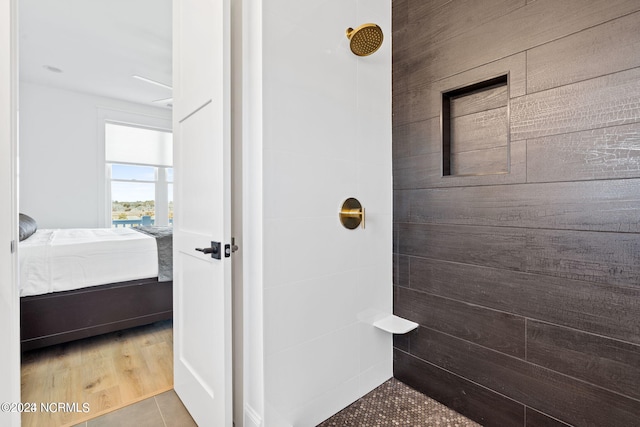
x=396 y=404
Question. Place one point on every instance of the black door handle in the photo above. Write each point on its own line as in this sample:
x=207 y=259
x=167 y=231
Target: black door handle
x=206 y=250
x=214 y=250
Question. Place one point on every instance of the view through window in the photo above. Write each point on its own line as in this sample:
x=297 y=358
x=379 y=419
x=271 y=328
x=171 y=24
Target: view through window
x=140 y=175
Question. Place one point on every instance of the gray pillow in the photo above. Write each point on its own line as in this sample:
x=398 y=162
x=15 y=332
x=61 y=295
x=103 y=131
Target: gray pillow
x=28 y=226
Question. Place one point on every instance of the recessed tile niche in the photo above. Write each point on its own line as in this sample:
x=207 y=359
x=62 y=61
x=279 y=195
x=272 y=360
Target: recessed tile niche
x=475 y=122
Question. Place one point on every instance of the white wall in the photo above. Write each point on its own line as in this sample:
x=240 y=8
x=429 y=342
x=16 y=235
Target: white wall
x=61 y=179
x=326 y=137
x=9 y=315
x=252 y=216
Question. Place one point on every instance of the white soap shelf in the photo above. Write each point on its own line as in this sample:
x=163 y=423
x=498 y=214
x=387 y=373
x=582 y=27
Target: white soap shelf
x=395 y=325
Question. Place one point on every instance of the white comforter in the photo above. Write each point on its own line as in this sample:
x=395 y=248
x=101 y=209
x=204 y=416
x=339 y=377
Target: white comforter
x=60 y=260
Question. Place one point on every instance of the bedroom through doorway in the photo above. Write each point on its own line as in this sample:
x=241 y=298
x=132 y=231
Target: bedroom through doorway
x=96 y=202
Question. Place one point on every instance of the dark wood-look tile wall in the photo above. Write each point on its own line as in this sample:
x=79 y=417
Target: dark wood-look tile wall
x=612 y=364
x=526 y=284
x=560 y=396
x=488 y=408
x=493 y=329
x=536 y=419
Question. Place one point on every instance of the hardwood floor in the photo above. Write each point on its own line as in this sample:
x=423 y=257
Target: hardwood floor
x=106 y=372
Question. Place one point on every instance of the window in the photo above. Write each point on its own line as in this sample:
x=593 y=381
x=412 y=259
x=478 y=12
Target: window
x=139 y=175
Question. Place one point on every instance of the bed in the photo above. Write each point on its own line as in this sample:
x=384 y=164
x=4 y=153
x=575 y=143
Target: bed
x=77 y=283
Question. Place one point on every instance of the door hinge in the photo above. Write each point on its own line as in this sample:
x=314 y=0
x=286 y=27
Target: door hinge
x=13 y=246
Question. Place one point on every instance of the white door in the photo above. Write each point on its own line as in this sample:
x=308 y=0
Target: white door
x=202 y=283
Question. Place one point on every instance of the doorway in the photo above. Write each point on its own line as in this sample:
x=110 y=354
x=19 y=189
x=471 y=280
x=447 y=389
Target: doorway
x=84 y=64
x=216 y=17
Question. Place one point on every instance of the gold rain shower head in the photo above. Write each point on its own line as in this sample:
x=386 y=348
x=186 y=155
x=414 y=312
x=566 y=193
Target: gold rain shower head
x=365 y=39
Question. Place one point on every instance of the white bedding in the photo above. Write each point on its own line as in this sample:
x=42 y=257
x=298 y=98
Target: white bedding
x=61 y=260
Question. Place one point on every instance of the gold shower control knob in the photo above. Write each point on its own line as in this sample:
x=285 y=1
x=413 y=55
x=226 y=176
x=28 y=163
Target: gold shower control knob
x=352 y=214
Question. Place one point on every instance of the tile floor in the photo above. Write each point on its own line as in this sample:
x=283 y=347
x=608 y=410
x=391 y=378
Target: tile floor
x=392 y=404
x=396 y=404
x=163 y=410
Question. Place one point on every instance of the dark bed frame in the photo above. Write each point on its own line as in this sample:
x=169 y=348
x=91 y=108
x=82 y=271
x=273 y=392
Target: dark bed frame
x=59 y=317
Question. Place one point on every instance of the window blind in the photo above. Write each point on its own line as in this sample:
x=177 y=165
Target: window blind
x=130 y=144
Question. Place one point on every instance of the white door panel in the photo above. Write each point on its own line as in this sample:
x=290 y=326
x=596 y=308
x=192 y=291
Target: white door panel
x=200 y=212
x=195 y=72
x=202 y=284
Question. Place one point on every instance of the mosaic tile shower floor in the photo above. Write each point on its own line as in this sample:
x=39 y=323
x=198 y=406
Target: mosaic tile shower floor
x=396 y=404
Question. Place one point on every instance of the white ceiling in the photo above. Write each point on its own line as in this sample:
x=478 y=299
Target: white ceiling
x=99 y=45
